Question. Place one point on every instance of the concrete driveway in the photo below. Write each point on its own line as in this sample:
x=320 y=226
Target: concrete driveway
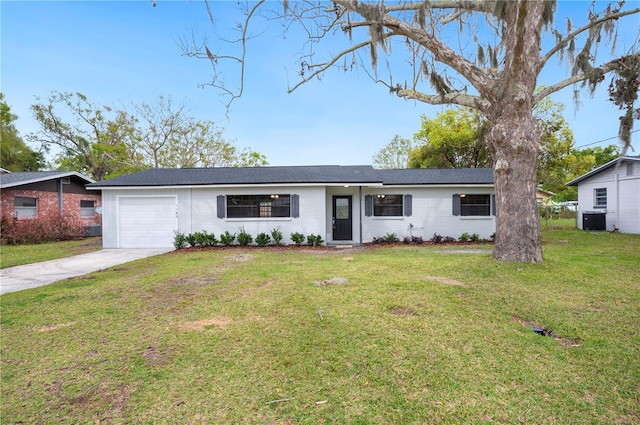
x=17 y=278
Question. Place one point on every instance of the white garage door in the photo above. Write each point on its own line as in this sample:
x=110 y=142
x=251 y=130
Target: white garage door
x=147 y=222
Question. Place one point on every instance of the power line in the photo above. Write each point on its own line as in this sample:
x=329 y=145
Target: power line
x=603 y=140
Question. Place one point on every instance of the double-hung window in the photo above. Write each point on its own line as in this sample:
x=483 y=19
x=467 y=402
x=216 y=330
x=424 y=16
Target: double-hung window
x=475 y=205
x=387 y=205
x=25 y=207
x=87 y=208
x=600 y=198
x=248 y=206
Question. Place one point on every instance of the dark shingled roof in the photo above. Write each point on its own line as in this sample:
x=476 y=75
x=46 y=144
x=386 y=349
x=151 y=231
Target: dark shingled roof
x=314 y=174
x=249 y=176
x=437 y=176
x=17 y=179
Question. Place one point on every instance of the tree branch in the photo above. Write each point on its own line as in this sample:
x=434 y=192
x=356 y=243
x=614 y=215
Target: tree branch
x=323 y=67
x=461 y=99
x=604 y=69
x=565 y=41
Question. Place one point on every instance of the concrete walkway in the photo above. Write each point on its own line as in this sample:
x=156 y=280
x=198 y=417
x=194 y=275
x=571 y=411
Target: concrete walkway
x=17 y=278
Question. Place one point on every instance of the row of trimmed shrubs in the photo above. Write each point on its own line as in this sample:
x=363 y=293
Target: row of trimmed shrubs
x=242 y=238
x=436 y=238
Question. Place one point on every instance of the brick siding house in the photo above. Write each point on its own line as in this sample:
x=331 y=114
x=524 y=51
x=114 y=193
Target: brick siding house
x=48 y=194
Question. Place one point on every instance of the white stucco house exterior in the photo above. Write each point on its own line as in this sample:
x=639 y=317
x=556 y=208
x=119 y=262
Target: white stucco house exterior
x=609 y=196
x=343 y=204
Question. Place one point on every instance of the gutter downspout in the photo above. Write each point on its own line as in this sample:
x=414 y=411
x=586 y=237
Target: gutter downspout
x=360 y=211
x=617 y=200
x=60 y=203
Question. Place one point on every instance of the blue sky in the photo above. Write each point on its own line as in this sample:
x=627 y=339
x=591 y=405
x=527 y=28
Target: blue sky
x=119 y=52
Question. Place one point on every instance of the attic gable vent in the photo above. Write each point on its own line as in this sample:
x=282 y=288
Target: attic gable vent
x=65 y=180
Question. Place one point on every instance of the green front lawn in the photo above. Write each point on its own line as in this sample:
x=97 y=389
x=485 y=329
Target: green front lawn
x=260 y=336
x=18 y=255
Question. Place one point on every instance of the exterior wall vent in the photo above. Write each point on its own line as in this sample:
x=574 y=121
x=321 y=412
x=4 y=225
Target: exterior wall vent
x=66 y=180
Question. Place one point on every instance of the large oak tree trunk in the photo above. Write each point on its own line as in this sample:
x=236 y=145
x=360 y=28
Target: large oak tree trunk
x=514 y=143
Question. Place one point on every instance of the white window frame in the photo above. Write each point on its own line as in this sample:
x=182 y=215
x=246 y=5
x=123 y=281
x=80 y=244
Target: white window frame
x=263 y=205
x=468 y=209
x=600 y=197
x=379 y=205
x=87 y=211
x=25 y=212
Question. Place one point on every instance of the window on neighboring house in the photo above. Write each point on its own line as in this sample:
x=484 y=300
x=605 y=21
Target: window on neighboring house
x=246 y=206
x=87 y=208
x=600 y=198
x=629 y=169
x=387 y=205
x=472 y=205
x=25 y=207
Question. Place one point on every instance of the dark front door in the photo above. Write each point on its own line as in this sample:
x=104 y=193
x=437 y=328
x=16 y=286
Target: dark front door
x=342 y=222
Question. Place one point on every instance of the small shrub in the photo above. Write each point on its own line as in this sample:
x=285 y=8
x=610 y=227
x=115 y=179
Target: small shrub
x=210 y=239
x=198 y=239
x=448 y=239
x=406 y=240
x=391 y=238
x=263 y=239
x=417 y=240
x=475 y=237
x=191 y=239
x=314 y=240
x=227 y=238
x=244 y=238
x=276 y=234
x=436 y=238
x=179 y=240
x=492 y=237
x=464 y=237
x=297 y=238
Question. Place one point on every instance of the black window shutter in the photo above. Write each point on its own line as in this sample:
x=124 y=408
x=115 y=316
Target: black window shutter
x=368 y=205
x=221 y=209
x=295 y=206
x=493 y=204
x=456 y=204
x=408 y=205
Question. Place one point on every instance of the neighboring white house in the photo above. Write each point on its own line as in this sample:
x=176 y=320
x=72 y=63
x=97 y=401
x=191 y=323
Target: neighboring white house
x=343 y=204
x=609 y=196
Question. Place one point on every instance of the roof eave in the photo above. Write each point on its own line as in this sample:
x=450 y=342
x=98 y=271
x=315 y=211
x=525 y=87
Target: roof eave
x=51 y=177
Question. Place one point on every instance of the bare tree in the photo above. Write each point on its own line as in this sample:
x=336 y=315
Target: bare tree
x=495 y=70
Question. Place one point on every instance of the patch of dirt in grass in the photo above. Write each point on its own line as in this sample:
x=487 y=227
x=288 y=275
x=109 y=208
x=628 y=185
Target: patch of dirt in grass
x=156 y=356
x=112 y=401
x=446 y=281
x=56 y=327
x=403 y=311
x=240 y=258
x=332 y=281
x=196 y=280
x=543 y=331
x=253 y=289
x=206 y=324
x=466 y=251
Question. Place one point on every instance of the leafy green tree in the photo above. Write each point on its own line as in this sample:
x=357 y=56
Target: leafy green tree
x=395 y=154
x=15 y=154
x=452 y=140
x=494 y=67
x=581 y=161
x=556 y=145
